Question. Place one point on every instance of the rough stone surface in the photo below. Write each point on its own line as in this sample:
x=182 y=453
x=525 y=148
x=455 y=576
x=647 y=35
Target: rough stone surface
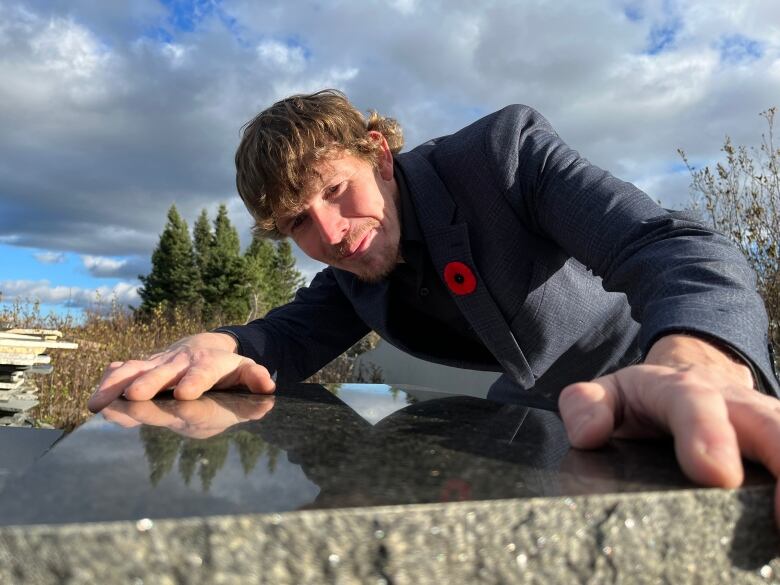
x=695 y=536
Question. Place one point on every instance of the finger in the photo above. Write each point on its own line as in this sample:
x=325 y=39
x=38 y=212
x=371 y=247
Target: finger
x=704 y=438
x=115 y=380
x=255 y=409
x=759 y=435
x=249 y=374
x=223 y=373
x=199 y=412
x=119 y=418
x=165 y=375
x=756 y=419
x=105 y=392
x=195 y=381
x=588 y=412
x=206 y=417
x=244 y=407
x=112 y=366
x=255 y=377
x=149 y=413
x=650 y=398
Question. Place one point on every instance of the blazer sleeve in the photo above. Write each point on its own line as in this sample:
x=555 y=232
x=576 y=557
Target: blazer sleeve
x=296 y=340
x=677 y=274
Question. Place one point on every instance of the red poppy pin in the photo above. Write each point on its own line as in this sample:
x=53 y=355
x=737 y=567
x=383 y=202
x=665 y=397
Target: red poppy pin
x=459 y=278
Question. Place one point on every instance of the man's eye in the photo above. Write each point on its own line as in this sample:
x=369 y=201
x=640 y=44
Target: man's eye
x=297 y=221
x=333 y=189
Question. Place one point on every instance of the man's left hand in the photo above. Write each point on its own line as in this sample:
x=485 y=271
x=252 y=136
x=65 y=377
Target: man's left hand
x=692 y=390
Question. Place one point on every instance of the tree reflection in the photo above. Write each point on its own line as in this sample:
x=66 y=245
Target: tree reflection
x=198 y=433
x=161 y=449
x=204 y=457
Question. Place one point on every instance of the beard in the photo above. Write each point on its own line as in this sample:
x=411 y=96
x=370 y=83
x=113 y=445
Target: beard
x=376 y=265
x=378 y=272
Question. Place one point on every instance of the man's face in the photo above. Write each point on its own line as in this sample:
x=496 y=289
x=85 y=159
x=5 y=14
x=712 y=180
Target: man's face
x=350 y=219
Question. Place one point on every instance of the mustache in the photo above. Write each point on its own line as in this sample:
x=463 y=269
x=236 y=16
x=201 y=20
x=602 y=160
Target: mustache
x=343 y=248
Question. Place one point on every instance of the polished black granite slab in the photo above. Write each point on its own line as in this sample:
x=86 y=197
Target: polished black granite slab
x=20 y=447
x=311 y=447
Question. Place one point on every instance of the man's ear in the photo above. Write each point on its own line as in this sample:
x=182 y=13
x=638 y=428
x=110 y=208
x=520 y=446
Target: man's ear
x=384 y=155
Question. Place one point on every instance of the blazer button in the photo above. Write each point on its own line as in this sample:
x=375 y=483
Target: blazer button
x=424 y=292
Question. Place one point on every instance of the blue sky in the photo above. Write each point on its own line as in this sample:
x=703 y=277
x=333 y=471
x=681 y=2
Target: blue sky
x=112 y=111
x=66 y=275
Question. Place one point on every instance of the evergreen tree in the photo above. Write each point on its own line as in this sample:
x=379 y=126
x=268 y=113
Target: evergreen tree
x=224 y=279
x=259 y=258
x=173 y=280
x=285 y=277
x=202 y=240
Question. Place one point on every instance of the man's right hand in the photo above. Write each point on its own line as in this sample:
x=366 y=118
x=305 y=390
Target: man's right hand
x=190 y=366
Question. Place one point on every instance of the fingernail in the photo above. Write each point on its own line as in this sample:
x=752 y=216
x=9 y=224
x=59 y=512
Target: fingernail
x=720 y=454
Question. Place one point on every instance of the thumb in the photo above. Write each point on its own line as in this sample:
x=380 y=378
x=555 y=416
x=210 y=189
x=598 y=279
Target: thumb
x=588 y=411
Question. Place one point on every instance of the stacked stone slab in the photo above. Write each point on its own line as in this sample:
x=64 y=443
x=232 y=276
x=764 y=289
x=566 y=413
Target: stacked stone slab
x=22 y=353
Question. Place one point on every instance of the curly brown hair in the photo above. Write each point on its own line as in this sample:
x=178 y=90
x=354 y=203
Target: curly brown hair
x=280 y=147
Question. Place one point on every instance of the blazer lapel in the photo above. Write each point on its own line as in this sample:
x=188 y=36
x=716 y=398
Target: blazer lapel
x=448 y=243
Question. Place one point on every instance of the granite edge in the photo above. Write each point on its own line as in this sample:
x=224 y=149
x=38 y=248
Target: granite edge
x=688 y=536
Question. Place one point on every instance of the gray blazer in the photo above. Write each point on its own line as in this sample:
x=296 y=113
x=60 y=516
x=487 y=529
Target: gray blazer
x=577 y=272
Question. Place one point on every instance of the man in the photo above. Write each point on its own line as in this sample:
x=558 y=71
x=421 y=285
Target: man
x=495 y=248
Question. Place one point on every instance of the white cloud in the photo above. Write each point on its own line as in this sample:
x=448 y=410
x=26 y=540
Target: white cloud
x=285 y=57
x=102 y=266
x=404 y=6
x=49 y=257
x=105 y=267
x=175 y=52
x=63 y=47
x=51 y=61
x=41 y=290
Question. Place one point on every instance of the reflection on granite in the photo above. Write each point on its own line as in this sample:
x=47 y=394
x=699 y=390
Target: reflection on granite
x=308 y=447
x=20 y=447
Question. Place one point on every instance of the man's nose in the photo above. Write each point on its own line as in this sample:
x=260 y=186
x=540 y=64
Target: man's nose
x=330 y=223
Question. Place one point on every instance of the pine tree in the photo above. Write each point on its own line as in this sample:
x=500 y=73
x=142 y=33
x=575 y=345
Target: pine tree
x=259 y=259
x=224 y=278
x=202 y=240
x=173 y=280
x=285 y=277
